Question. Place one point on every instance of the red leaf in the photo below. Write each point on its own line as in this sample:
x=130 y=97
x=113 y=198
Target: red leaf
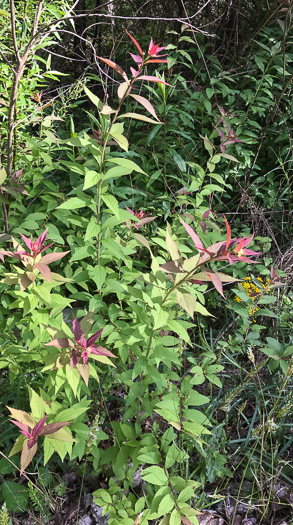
x=228 y=234
x=156 y=61
x=51 y=428
x=135 y=43
x=78 y=333
x=116 y=67
x=93 y=338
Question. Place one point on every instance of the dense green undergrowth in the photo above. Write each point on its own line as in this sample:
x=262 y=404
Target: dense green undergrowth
x=145 y=329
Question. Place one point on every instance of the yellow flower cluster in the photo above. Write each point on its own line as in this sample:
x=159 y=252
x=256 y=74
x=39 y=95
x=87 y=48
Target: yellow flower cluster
x=254 y=291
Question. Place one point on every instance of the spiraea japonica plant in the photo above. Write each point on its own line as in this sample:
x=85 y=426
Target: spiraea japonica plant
x=137 y=296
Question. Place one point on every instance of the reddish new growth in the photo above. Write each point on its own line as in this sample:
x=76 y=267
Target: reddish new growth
x=35 y=250
x=141 y=60
x=220 y=250
x=146 y=58
x=227 y=139
x=82 y=349
x=32 y=430
x=144 y=219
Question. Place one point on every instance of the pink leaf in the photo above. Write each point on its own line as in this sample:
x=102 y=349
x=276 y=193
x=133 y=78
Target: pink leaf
x=134 y=72
x=46 y=247
x=197 y=242
x=136 y=59
x=222 y=135
x=100 y=350
x=40 y=241
x=51 y=257
x=44 y=270
x=74 y=358
x=145 y=103
x=203 y=226
x=140 y=223
x=216 y=282
x=130 y=211
x=25 y=429
x=85 y=356
x=152 y=79
x=39 y=426
x=27 y=241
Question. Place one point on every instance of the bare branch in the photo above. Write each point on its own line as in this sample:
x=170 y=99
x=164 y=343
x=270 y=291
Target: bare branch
x=37 y=18
x=13 y=29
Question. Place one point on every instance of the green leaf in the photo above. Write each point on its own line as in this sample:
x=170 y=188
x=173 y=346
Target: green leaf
x=15 y=496
x=6 y=467
x=73 y=204
x=73 y=378
x=92 y=229
x=91 y=179
x=117 y=171
x=187 y=493
x=37 y=404
x=160 y=317
x=95 y=100
x=48 y=450
x=175 y=518
x=98 y=275
x=187 y=302
x=174 y=455
x=171 y=245
x=166 y=505
x=155 y=475
x=3 y=175
x=122 y=141
x=73 y=412
x=112 y=203
x=103 y=495
x=126 y=163
x=151 y=456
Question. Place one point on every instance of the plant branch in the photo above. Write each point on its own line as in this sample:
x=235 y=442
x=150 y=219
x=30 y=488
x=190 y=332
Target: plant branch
x=13 y=29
